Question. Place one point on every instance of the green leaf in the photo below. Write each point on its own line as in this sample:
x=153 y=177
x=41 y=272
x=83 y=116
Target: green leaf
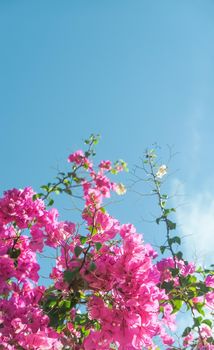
x=163 y=248
x=51 y=202
x=168 y=286
x=60 y=328
x=158 y=220
x=210 y=340
x=14 y=253
x=68 y=191
x=52 y=303
x=186 y=331
x=192 y=292
x=179 y=255
x=83 y=239
x=69 y=275
x=65 y=305
x=176 y=304
x=171 y=225
x=174 y=272
x=199 y=269
x=197 y=321
x=202 y=288
x=37 y=195
x=45 y=188
x=175 y=239
x=86 y=332
x=163 y=203
x=207 y=322
x=67 y=182
x=77 y=250
x=191 y=279
x=77 y=179
x=199 y=308
x=164 y=196
x=92 y=230
x=167 y=211
x=92 y=266
x=98 y=245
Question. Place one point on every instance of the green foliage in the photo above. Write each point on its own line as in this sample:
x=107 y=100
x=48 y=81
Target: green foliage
x=187 y=287
x=70 y=275
x=77 y=250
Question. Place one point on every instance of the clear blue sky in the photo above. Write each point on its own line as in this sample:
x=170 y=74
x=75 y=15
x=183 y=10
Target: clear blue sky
x=136 y=72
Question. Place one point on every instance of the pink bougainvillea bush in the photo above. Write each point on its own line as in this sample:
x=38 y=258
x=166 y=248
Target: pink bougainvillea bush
x=108 y=288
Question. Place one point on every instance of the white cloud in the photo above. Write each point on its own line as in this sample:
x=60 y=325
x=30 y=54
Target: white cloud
x=195 y=219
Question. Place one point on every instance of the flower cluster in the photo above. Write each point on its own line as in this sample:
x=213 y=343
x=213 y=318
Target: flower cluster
x=107 y=289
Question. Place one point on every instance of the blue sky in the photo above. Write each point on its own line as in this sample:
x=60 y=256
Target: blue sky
x=137 y=72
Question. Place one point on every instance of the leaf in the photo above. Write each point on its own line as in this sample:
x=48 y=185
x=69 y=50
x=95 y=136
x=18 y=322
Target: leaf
x=199 y=269
x=163 y=203
x=158 y=220
x=65 y=305
x=175 y=239
x=186 y=331
x=77 y=250
x=45 y=188
x=179 y=255
x=197 y=321
x=92 y=266
x=199 y=308
x=86 y=332
x=171 y=225
x=163 y=248
x=174 y=272
x=98 y=245
x=92 y=230
x=69 y=275
x=202 y=288
x=210 y=340
x=191 y=279
x=37 y=195
x=83 y=239
x=207 y=322
x=67 y=182
x=168 y=286
x=164 y=196
x=51 y=202
x=176 y=304
x=14 y=253
x=192 y=292
x=68 y=191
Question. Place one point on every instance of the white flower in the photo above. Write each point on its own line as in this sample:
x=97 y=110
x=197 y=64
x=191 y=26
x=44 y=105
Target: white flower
x=120 y=189
x=161 y=171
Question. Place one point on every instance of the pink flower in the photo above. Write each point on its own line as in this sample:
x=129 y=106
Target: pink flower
x=188 y=339
x=209 y=298
x=79 y=158
x=105 y=165
x=209 y=282
x=42 y=341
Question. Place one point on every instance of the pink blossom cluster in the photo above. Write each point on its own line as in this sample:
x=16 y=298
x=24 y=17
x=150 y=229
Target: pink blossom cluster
x=124 y=297
x=23 y=323
x=104 y=265
x=166 y=264
x=203 y=344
